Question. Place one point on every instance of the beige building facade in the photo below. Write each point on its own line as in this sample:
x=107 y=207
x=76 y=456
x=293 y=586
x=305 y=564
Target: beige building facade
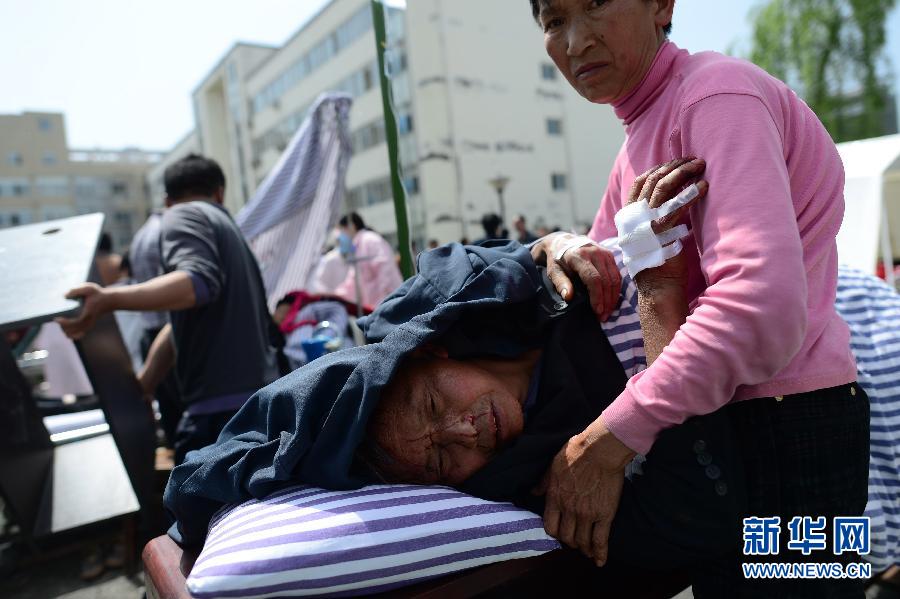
x=476 y=99
x=41 y=178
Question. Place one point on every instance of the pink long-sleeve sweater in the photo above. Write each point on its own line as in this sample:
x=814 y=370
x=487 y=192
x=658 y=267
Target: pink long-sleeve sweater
x=763 y=261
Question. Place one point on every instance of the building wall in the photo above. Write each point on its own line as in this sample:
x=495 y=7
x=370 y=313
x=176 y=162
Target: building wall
x=473 y=89
x=42 y=179
x=483 y=109
x=223 y=121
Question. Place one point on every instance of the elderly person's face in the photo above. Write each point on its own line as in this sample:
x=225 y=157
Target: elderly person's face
x=441 y=420
x=604 y=47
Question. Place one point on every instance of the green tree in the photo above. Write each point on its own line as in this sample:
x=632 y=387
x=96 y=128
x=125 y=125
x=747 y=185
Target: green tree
x=832 y=53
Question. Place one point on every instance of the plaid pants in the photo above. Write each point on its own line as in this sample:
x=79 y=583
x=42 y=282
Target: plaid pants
x=802 y=455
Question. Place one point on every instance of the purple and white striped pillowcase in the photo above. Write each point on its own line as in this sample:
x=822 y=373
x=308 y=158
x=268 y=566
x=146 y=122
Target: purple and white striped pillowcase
x=386 y=549
x=469 y=534
x=254 y=513
x=410 y=518
x=373 y=581
x=311 y=515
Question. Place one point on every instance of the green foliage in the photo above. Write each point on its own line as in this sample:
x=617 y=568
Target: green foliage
x=832 y=53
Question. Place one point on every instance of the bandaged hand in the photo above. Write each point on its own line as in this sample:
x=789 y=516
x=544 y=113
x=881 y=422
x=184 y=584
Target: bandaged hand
x=650 y=195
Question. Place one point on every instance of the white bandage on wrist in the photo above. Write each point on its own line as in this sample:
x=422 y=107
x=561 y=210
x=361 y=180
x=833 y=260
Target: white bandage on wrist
x=641 y=247
x=575 y=242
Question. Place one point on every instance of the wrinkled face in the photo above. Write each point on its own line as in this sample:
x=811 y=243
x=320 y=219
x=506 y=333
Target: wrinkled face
x=441 y=420
x=604 y=47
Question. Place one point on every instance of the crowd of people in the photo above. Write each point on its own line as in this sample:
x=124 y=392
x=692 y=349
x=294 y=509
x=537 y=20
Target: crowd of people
x=741 y=401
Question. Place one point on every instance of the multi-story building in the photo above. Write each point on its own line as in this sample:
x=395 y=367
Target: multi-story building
x=41 y=178
x=476 y=100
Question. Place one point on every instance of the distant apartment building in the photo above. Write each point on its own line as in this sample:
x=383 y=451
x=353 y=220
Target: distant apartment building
x=41 y=178
x=476 y=99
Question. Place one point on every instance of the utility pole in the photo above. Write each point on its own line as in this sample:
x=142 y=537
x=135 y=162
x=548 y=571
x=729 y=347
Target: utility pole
x=391 y=135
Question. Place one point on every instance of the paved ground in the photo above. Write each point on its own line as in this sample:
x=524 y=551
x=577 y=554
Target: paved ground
x=60 y=579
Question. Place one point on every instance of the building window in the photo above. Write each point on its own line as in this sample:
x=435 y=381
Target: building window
x=405 y=124
x=559 y=182
x=51 y=187
x=44 y=124
x=13 y=188
x=15 y=159
x=548 y=72
x=119 y=188
x=554 y=126
x=371 y=193
x=412 y=185
x=346 y=34
x=49 y=159
x=123 y=220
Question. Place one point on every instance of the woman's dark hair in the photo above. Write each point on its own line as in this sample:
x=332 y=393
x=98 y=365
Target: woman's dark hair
x=288 y=299
x=536 y=11
x=357 y=220
x=193 y=176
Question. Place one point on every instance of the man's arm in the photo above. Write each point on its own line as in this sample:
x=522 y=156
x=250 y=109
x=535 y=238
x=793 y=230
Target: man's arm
x=160 y=360
x=169 y=292
x=188 y=251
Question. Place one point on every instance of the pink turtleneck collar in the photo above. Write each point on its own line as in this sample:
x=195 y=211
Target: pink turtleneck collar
x=641 y=97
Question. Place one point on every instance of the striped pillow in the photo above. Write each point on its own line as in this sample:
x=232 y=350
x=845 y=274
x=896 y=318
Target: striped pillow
x=308 y=541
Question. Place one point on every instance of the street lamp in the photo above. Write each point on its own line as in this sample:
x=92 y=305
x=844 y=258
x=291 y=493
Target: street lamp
x=499 y=183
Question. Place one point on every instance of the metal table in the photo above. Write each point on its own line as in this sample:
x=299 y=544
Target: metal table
x=51 y=488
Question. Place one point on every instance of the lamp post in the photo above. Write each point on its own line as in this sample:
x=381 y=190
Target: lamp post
x=499 y=184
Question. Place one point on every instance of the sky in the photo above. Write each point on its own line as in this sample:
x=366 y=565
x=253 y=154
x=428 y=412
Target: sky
x=123 y=71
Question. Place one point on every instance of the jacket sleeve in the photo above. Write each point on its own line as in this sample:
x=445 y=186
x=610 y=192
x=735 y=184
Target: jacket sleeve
x=256 y=453
x=751 y=320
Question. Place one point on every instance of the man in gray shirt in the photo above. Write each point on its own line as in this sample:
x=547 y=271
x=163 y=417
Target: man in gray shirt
x=218 y=338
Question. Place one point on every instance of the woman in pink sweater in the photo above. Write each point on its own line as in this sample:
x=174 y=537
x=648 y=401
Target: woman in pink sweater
x=762 y=340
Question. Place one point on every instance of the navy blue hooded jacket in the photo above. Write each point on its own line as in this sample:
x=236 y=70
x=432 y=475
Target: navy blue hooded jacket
x=307 y=426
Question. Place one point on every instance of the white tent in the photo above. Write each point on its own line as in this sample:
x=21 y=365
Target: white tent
x=871 y=224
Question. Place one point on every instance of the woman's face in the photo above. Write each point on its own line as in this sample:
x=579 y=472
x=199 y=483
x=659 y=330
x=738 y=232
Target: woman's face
x=604 y=47
x=441 y=420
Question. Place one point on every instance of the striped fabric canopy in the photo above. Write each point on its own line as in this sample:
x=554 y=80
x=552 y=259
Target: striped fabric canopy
x=287 y=221
x=872 y=310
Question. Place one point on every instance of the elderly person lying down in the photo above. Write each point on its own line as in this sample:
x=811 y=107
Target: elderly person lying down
x=477 y=375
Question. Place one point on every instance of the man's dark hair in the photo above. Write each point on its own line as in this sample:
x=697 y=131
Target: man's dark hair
x=357 y=220
x=491 y=223
x=105 y=245
x=536 y=11
x=193 y=176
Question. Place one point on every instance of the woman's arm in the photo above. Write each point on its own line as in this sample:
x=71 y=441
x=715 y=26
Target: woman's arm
x=585 y=480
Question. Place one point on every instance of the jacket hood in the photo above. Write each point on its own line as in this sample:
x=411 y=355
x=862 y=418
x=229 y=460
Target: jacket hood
x=307 y=426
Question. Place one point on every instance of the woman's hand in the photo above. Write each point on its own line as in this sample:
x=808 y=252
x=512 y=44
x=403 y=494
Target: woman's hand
x=583 y=487
x=595 y=266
